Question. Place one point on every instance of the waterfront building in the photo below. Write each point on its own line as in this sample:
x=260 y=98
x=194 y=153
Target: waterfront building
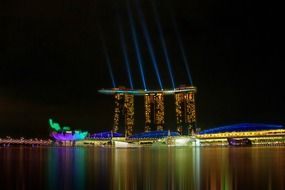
x=154 y=105
x=258 y=134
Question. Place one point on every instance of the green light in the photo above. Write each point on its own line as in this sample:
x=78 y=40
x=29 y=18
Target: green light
x=57 y=127
x=82 y=135
x=66 y=128
x=54 y=126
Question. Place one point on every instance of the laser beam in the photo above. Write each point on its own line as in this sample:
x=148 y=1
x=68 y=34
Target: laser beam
x=149 y=44
x=181 y=47
x=163 y=44
x=125 y=52
x=107 y=58
x=110 y=69
x=136 y=45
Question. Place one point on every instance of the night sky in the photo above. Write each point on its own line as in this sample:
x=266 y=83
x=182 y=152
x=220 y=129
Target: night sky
x=52 y=61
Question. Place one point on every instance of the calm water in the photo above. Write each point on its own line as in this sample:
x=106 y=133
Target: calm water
x=142 y=168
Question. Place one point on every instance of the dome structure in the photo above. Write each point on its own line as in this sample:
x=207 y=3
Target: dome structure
x=104 y=135
x=155 y=134
x=242 y=127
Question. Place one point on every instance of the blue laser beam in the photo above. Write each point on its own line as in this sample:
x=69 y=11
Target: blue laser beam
x=107 y=58
x=149 y=44
x=125 y=52
x=110 y=69
x=137 y=47
x=163 y=44
x=181 y=47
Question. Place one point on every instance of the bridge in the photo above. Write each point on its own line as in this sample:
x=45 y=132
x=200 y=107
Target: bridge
x=21 y=141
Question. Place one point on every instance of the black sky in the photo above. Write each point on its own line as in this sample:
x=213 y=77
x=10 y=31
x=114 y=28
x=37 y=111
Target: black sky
x=52 y=62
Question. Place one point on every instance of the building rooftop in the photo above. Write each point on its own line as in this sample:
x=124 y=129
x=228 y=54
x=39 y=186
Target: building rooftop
x=107 y=134
x=241 y=127
x=154 y=134
x=145 y=92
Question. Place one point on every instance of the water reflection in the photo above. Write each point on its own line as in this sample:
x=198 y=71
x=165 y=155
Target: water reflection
x=66 y=168
x=142 y=168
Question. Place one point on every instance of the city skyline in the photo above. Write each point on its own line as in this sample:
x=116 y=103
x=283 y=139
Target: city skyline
x=53 y=62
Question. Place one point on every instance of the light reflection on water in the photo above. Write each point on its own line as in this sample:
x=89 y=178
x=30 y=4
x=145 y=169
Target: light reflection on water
x=142 y=168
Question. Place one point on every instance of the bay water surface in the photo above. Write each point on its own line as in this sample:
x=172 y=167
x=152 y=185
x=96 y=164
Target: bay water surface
x=142 y=168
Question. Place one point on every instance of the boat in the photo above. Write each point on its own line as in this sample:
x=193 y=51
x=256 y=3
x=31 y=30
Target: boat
x=239 y=142
x=121 y=144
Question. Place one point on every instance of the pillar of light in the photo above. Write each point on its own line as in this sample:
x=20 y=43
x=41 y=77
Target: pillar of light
x=110 y=71
x=149 y=43
x=125 y=52
x=181 y=47
x=108 y=61
x=163 y=44
x=137 y=47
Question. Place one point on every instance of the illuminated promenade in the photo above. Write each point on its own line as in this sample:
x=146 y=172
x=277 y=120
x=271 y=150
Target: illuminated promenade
x=257 y=134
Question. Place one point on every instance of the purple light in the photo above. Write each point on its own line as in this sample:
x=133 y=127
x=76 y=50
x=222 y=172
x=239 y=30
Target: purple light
x=69 y=136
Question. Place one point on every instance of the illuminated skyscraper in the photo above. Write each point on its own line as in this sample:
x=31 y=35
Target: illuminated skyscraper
x=185 y=112
x=119 y=99
x=159 y=111
x=179 y=105
x=124 y=113
x=154 y=108
x=129 y=114
x=148 y=104
x=190 y=115
x=154 y=111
